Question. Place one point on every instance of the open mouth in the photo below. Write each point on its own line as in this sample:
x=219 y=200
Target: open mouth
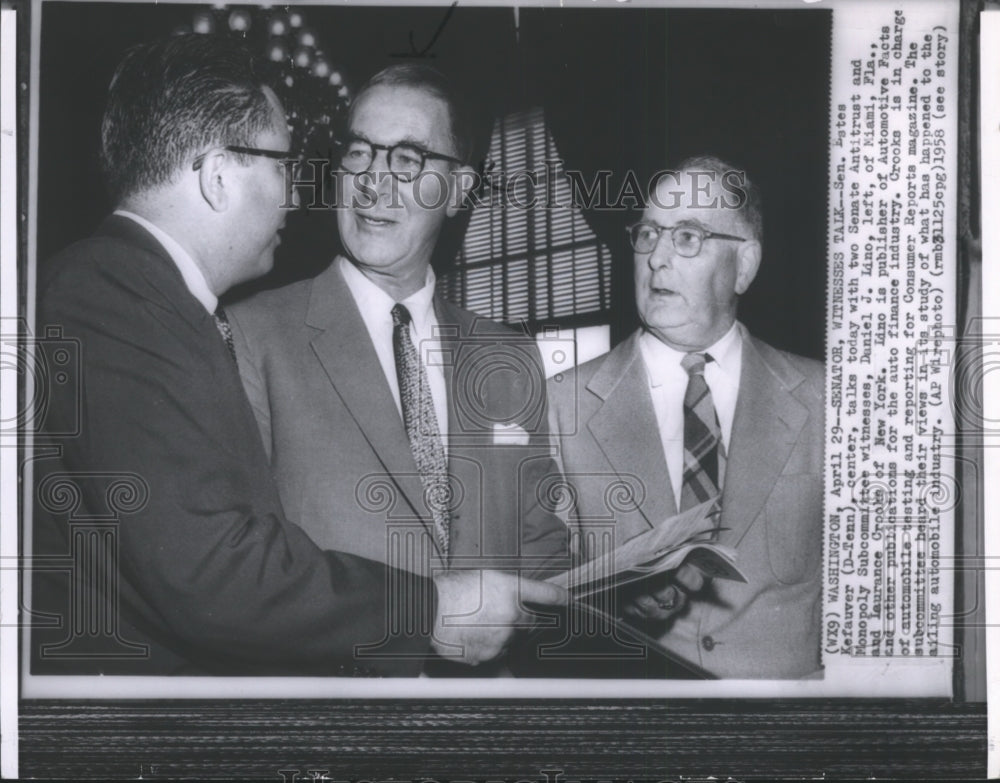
x=369 y=220
x=662 y=291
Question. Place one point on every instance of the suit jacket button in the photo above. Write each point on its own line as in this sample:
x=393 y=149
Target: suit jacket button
x=708 y=643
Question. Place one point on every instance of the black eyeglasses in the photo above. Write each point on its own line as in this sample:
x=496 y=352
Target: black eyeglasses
x=687 y=239
x=273 y=154
x=406 y=160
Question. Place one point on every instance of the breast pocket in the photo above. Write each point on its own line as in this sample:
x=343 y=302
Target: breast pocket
x=794 y=521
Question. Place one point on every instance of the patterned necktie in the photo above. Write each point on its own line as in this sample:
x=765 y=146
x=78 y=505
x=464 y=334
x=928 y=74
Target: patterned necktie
x=421 y=425
x=222 y=324
x=704 y=452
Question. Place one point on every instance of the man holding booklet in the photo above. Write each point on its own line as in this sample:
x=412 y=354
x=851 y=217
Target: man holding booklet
x=691 y=412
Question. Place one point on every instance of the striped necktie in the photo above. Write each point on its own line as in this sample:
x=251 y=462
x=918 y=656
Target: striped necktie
x=704 y=452
x=422 y=425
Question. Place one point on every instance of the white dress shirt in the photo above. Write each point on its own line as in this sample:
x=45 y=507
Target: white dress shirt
x=668 y=381
x=193 y=277
x=376 y=311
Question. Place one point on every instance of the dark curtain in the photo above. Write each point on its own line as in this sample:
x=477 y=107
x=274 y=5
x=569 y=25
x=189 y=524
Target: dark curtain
x=635 y=90
x=601 y=76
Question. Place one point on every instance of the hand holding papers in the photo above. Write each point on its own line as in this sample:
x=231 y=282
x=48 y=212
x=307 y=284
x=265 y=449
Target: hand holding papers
x=594 y=640
x=679 y=539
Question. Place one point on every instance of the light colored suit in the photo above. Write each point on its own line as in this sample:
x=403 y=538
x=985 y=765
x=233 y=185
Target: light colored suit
x=339 y=450
x=606 y=431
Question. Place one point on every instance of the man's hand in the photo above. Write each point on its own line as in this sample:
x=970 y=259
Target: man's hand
x=479 y=611
x=668 y=597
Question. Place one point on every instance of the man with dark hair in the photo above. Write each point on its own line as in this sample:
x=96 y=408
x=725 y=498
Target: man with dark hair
x=363 y=379
x=152 y=475
x=434 y=83
x=694 y=408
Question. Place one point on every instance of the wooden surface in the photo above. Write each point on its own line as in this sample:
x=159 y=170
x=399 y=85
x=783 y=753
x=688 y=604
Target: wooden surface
x=458 y=740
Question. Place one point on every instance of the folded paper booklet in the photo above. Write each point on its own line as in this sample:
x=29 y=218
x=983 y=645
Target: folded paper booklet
x=620 y=647
x=666 y=547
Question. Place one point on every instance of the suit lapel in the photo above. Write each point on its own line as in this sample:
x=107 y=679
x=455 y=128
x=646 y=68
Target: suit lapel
x=766 y=424
x=452 y=329
x=625 y=428
x=469 y=464
x=457 y=335
x=344 y=349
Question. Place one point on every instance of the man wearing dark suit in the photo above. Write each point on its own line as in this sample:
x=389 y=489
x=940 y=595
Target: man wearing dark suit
x=322 y=364
x=635 y=417
x=157 y=458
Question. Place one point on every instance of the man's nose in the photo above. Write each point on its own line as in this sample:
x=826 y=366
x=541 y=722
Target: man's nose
x=663 y=253
x=379 y=176
x=380 y=161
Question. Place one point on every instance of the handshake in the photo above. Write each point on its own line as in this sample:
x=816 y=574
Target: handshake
x=479 y=611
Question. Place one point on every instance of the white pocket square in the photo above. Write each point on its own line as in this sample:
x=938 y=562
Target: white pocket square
x=510 y=435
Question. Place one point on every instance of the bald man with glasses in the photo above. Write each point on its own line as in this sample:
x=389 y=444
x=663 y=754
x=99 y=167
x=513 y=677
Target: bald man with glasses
x=692 y=407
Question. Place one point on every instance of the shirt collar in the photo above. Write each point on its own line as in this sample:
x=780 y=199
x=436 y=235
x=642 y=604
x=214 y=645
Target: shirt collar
x=192 y=274
x=663 y=363
x=726 y=352
x=372 y=299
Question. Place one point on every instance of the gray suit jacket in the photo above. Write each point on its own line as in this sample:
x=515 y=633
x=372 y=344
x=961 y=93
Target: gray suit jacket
x=606 y=432
x=339 y=450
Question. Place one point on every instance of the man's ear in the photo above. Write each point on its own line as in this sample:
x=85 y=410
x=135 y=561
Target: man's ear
x=747 y=264
x=463 y=180
x=214 y=178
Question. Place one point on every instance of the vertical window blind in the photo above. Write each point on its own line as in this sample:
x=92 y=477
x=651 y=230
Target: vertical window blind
x=529 y=255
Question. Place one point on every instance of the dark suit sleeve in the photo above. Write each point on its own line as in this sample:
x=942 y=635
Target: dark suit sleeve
x=208 y=561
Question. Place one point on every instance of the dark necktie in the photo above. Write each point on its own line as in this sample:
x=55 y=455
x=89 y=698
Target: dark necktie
x=421 y=425
x=704 y=453
x=222 y=324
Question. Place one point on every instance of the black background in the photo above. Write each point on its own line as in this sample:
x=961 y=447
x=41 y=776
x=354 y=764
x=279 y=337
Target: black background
x=623 y=89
